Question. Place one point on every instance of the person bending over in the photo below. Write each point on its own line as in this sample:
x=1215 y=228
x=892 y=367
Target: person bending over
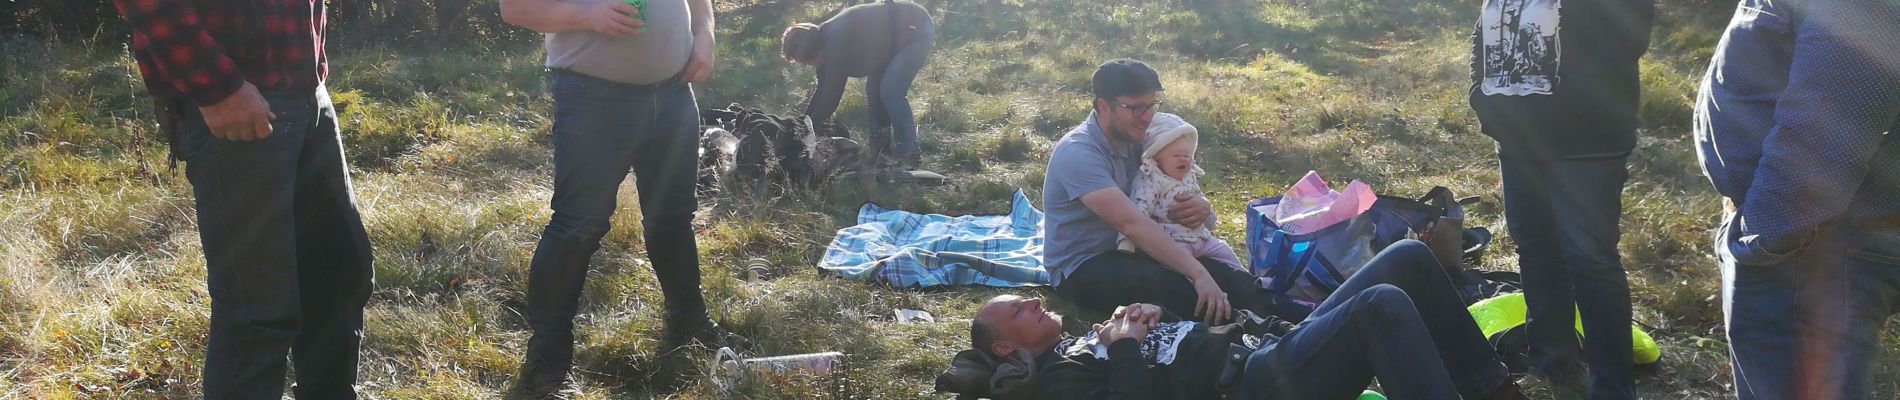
x=885 y=42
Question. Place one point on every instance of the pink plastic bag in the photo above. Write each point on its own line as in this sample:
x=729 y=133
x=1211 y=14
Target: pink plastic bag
x=1311 y=205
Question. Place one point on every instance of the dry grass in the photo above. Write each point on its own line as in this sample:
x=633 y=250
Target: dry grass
x=101 y=276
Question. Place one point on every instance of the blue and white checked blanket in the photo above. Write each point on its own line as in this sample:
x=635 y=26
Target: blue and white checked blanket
x=908 y=249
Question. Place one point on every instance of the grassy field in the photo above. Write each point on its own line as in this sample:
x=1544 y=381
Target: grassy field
x=101 y=274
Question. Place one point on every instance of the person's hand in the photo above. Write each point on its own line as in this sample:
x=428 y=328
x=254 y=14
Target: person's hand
x=699 y=66
x=1116 y=329
x=1211 y=303
x=1143 y=313
x=242 y=116
x=615 y=18
x=1190 y=210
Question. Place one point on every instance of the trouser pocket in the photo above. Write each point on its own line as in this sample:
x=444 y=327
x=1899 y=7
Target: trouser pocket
x=180 y=124
x=1879 y=245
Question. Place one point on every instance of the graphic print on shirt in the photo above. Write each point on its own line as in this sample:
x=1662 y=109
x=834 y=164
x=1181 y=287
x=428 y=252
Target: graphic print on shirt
x=1520 y=46
x=1158 y=347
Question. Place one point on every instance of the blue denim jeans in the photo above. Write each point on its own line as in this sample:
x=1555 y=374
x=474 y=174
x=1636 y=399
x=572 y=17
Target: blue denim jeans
x=1803 y=324
x=1564 y=217
x=288 y=263
x=1398 y=319
x=602 y=130
x=887 y=93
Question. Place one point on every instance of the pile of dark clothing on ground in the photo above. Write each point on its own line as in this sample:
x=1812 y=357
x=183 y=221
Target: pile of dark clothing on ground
x=750 y=147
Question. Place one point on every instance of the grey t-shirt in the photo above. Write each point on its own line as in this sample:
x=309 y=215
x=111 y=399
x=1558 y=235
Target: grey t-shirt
x=1082 y=162
x=649 y=57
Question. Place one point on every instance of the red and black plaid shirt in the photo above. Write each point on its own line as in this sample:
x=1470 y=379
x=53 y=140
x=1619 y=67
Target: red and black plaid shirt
x=207 y=49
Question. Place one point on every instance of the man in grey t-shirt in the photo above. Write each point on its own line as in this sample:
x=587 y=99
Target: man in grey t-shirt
x=1085 y=202
x=621 y=102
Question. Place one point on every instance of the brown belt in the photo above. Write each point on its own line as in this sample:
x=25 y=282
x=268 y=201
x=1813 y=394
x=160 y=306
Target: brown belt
x=1889 y=221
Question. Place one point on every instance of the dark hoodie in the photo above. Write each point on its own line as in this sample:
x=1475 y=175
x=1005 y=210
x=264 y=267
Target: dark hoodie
x=858 y=42
x=1556 y=79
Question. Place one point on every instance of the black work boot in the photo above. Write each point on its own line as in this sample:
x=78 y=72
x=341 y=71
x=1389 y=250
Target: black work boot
x=544 y=370
x=703 y=331
x=910 y=162
x=538 y=380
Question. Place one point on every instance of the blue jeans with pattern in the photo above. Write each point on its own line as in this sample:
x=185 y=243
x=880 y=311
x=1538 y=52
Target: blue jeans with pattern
x=887 y=94
x=1803 y=325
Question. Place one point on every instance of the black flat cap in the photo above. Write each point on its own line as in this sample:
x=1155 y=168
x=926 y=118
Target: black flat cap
x=1124 y=77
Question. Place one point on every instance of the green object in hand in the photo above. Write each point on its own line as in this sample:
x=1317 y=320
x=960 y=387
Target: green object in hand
x=642 y=5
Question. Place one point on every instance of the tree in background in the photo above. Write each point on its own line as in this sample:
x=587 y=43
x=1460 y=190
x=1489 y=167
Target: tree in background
x=423 y=22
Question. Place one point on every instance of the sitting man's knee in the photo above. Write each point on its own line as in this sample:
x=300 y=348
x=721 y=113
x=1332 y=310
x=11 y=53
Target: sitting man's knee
x=1385 y=296
x=1411 y=248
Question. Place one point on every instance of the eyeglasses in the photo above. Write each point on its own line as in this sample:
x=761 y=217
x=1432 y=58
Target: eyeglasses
x=1138 y=108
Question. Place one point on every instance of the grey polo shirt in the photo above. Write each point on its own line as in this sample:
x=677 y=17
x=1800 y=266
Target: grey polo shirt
x=649 y=57
x=1082 y=162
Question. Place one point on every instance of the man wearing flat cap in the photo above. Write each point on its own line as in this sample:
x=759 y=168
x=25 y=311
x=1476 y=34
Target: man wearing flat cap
x=1086 y=202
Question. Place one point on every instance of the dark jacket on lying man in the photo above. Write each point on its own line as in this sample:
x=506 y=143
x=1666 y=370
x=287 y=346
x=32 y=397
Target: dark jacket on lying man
x=1398 y=320
x=1176 y=359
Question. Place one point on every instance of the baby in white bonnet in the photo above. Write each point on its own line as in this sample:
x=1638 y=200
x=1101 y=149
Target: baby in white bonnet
x=1168 y=170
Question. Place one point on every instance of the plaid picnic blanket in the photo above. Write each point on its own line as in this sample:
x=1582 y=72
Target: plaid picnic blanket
x=908 y=249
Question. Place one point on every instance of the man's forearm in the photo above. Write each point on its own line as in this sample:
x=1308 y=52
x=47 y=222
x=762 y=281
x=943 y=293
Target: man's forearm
x=825 y=98
x=1113 y=206
x=1842 y=96
x=170 y=29
x=702 y=17
x=545 y=16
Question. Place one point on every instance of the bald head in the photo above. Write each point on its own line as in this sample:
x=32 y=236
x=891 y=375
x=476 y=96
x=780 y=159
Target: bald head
x=982 y=333
x=1009 y=322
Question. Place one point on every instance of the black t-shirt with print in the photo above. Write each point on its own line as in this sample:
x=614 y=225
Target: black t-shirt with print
x=1553 y=79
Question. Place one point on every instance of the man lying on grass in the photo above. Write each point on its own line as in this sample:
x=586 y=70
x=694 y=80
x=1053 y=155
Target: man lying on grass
x=1399 y=320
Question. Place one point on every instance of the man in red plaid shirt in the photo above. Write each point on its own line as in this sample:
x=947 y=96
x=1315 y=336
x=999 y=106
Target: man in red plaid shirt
x=239 y=89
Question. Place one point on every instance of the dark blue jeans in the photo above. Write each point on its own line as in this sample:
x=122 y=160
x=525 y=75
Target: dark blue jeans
x=887 y=93
x=603 y=129
x=288 y=264
x=1802 y=325
x=1564 y=217
x=1398 y=319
